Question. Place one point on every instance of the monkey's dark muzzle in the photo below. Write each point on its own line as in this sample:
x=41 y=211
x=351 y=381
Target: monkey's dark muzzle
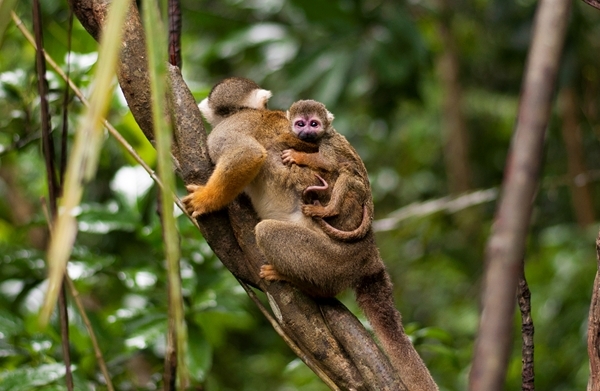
x=308 y=136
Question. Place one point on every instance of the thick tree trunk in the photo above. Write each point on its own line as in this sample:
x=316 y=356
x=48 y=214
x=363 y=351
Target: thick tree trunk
x=506 y=245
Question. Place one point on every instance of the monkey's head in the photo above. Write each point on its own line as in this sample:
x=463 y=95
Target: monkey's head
x=230 y=96
x=309 y=119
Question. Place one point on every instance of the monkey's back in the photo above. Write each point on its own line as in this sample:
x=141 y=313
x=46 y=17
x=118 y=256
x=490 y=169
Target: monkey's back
x=358 y=193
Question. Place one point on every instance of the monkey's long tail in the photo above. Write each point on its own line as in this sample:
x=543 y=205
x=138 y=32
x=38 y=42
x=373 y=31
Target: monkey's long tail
x=374 y=296
x=347 y=236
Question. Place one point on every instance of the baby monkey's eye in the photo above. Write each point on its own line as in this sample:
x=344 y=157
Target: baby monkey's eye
x=314 y=123
x=300 y=124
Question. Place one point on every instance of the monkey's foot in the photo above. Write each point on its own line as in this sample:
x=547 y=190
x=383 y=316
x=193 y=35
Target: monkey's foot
x=269 y=273
x=323 y=187
x=195 y=201
x=317 y=210
x=288 y=157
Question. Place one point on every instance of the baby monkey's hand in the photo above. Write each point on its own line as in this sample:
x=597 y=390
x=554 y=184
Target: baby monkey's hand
x=289 y=157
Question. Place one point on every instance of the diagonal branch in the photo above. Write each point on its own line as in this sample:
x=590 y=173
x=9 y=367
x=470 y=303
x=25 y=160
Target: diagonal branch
x=593 y=3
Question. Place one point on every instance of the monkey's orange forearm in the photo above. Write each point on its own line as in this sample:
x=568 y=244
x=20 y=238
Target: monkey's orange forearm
x=230 y=178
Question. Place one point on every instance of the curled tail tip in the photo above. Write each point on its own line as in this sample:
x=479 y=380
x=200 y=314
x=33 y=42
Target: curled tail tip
x=347 y=236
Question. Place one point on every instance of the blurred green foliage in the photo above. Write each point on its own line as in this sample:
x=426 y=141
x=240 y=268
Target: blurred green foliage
x=373 y=63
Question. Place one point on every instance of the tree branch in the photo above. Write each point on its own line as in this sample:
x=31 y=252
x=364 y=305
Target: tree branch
x=593 y=338
x=231 y=236
x=527 y=330
x=593 y=3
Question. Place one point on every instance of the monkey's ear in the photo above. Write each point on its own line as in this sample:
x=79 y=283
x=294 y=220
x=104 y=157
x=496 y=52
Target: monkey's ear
x=259 y=99
x=287 y=114
x=330 y=116
x=207 y=112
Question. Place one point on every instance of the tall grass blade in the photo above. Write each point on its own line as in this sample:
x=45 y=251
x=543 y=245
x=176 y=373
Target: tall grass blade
x=156 y=43
x=83 y=159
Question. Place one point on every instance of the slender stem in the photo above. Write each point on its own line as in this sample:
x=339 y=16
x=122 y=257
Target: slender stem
x=88 y=325
x=527 y=330
x=53 y=186
x=111 y=129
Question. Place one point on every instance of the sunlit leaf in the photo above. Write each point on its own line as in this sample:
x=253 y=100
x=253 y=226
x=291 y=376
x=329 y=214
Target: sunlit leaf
x=28 y=378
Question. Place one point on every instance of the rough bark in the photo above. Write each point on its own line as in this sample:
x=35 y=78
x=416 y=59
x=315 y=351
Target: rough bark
x=230 y=235
x=527 y=330
x=593 y=3
x=594 y=329
x=506 y=245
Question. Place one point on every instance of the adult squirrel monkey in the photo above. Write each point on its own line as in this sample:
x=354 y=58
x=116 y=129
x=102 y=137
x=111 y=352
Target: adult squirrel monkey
x=246 y=145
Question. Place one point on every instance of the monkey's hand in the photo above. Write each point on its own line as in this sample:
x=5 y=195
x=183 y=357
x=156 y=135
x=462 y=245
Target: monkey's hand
x=290 y=156
x=317 y=210
x=269 y=273
x=195 y=201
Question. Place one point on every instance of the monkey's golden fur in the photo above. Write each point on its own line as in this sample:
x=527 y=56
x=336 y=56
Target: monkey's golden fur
x=246 y=148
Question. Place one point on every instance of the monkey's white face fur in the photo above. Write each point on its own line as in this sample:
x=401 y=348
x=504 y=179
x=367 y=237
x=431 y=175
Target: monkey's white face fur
x=257 y=99
x=207 y=113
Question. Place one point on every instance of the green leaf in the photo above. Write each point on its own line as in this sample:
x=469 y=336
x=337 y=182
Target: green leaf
x=101 y=219
x=10 y=325
x=27 y=378
x=199 y=354
x=6 y=7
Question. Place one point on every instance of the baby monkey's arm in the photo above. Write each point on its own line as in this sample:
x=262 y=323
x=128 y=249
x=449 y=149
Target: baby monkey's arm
x=315 y=161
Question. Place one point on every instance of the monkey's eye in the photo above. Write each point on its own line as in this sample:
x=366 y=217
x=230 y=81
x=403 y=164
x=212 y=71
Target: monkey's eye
x=314 y=123
x=300 y=124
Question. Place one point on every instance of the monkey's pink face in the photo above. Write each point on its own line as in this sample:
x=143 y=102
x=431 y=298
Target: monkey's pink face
x=308 y=128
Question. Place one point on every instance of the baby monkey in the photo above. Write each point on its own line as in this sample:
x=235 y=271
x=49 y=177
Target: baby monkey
x=348 y=211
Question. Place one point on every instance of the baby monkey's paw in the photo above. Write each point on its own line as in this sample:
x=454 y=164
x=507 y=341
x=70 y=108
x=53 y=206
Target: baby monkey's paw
x=288 y=157
x=316 y=210
x=193 y=202
x=269 y=273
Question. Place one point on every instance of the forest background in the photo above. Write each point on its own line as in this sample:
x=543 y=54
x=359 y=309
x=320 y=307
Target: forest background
x=426 y=91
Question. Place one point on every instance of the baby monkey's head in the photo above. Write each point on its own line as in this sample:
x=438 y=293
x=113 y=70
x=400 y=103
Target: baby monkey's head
x=309 y=119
